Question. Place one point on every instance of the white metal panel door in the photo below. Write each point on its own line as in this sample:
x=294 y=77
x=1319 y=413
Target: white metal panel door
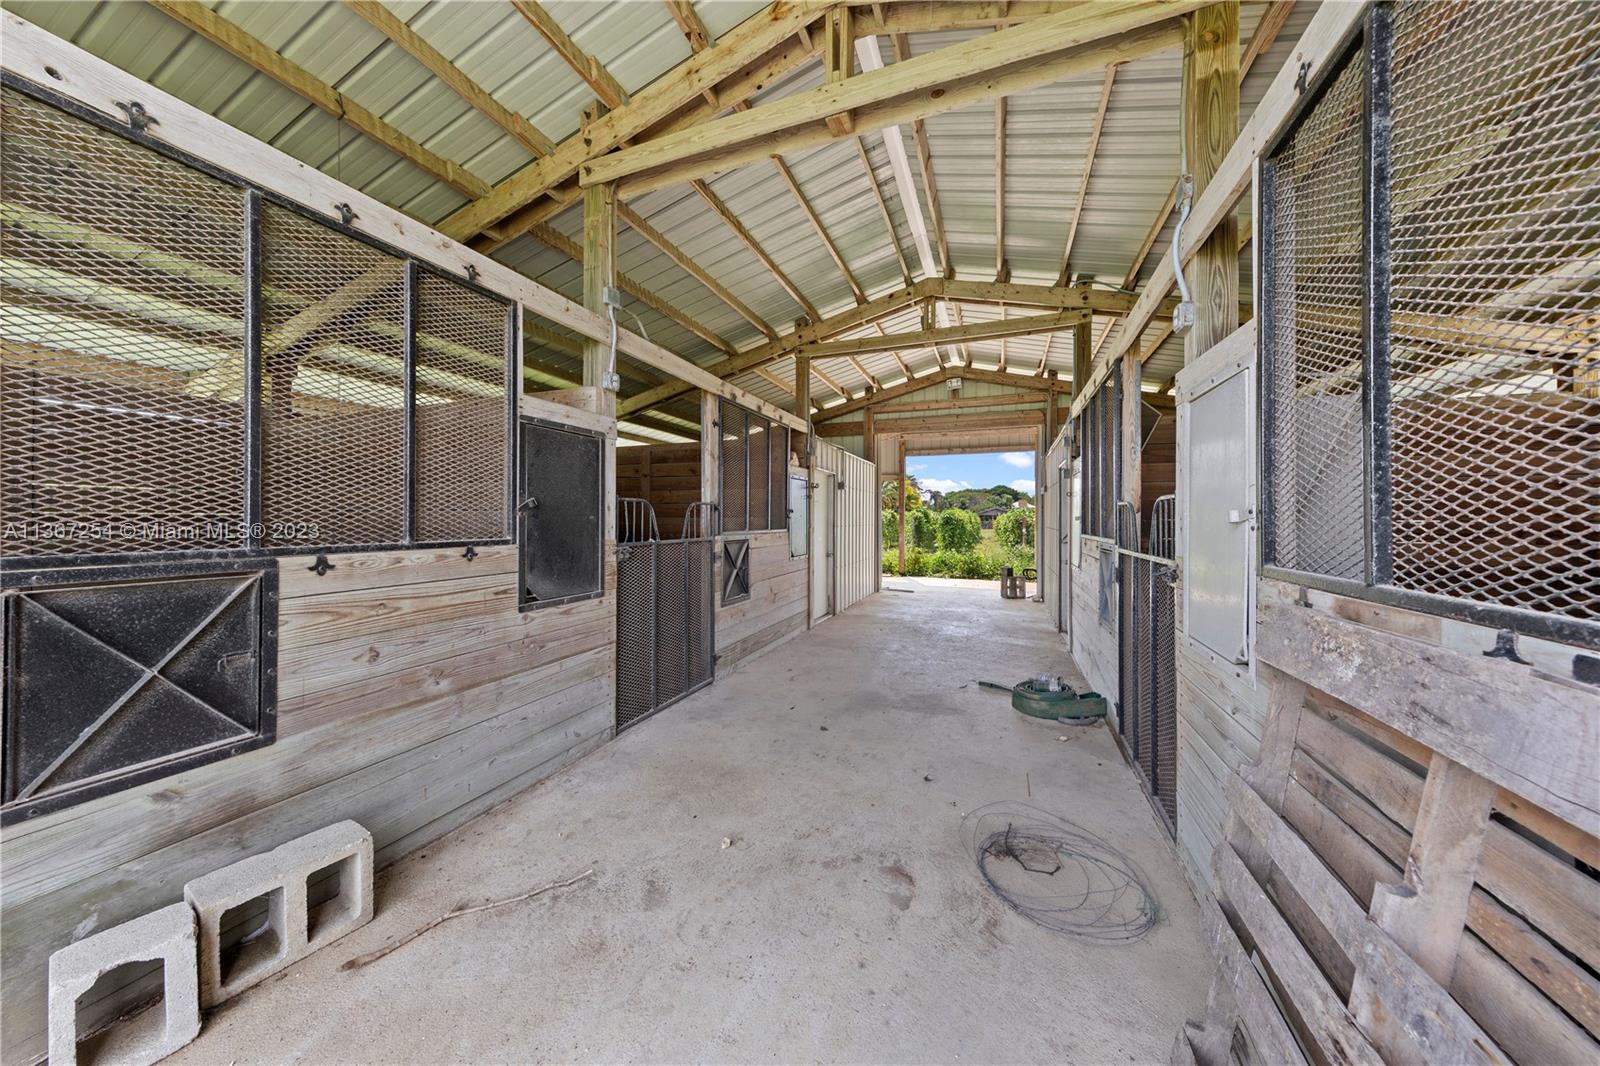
x=1219 y=513
x=822 y=546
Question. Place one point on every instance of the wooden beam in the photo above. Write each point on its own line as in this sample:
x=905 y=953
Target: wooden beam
x=873 y=400
x=695 y=270
x=230 y=38
x=828 y=381
x=838 y=60
x=1131 y=282
x=938 y=424
x=731 y=220
x=976 y=331
x=1053 y=297
x=816 y=224
x=883 y=212
x=586 y=66
x=966 y=403
x=1210 y=124
x=750 y=54
x=1007 y=61
x=1080 y=355
x=695 y=32
x=1088 y=169
x=802 y=394
x=920 y=16
x=558 y=241
x=1002 y=272
x=409 y=41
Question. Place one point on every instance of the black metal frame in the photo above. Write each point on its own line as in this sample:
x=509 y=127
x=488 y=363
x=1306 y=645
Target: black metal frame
x=766 y=472
x=255 y=197
x=741 y=567
x=1370 y=43
x=599 y=438
x=14 y=581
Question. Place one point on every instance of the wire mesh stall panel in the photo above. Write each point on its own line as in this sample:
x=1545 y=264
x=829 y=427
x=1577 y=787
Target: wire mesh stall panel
x=754 y=460
x=1147 y=678
x=665 y=641
x=192 y=364
x=1431 y=320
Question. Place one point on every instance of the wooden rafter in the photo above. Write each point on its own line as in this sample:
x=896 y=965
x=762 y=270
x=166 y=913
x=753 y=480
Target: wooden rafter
x=1002 y=271
x=586 y=66
x=731 y=220
x=816 y=224
x=1132 y=280
x=993 y=377
x=1008 y=61
x=1030 y=325
x=412 y=43
x=864 y=372
x=695 y=32
x=739 y=63
x=883 y=211
x=1088 y=169
x=695 y=270
x=560 y=242
x=817 y=372
x=230 y=38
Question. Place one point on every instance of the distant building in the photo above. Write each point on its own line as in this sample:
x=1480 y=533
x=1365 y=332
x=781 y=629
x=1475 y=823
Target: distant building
x=987 y=516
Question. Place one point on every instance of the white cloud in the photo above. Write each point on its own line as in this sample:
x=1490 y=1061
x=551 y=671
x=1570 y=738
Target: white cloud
x=940 y=484
x=1024 y=460
x=1024 y=484
x=916 y=468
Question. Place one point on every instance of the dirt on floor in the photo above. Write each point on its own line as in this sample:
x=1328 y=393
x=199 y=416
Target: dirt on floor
x=779 y=875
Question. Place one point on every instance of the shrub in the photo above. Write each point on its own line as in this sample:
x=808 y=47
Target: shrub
x=891 y=562
x=891 y=526
x=922 y=533
x=1014 y=529
x=968 y=564
x=917 y=563
x=958 y=530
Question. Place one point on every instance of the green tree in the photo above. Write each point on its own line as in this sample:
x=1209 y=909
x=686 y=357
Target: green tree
x=1014 y=529
x=891 y=526
x=958 y=530
x=923 y=532
x=891 y=494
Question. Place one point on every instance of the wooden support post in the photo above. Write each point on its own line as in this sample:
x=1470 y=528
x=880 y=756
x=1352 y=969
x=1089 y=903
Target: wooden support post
x=869 y=437
x=1080 y=354
x=1132 y=435
x=1051 y=423
x=901 y=452
x=1210 y=125
x=802 y=401
x=711 y=455
x=838 y=59
x=599 y=273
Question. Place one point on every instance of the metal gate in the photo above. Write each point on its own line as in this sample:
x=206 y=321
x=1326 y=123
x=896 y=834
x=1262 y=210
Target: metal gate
x=1147 y=674
x=665 y=640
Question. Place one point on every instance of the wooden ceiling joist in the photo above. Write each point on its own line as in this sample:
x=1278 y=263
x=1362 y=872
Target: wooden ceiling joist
x=230 y=38
x=1088 y=169
x=748 y=239
x=883 y=211
x=937 y=424
x=747 y=57
x=586 y=66
x=1089 y=36
x=919 y=16
x=412 y=43
x=695 y=32
x=695 y=270
x=816 y=224
x=1002 y=272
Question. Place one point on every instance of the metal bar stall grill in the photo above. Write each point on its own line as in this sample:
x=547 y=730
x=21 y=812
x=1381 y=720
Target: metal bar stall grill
x=1147 y=664
x=665 y=595
x=1428 y=336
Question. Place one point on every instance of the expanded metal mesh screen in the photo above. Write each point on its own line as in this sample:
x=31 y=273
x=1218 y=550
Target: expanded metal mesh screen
x=1314 y=280
x=121 y=343
x=664 y=624
x=333 y=322
x=755 y=467
x=462 y=439
x=129 y=371
x=1495 y=312
x=1431 y=317
x=1147 y=675
x=1101 y=443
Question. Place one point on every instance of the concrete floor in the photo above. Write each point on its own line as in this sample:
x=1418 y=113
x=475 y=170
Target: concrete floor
x=845 y=923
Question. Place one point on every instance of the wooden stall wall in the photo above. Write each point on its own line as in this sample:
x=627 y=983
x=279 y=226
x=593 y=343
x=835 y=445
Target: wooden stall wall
x=858 y=528
x=776 y=608
x=668 y=475
x=412 y=696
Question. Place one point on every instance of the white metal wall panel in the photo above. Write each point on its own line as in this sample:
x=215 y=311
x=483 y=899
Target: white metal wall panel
x=857 y=553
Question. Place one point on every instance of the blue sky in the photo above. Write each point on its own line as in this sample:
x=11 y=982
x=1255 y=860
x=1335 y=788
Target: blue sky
x=946 y=473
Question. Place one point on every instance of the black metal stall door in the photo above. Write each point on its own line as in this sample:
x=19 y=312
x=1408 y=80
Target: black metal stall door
x=665 y=648
x=1147 y=673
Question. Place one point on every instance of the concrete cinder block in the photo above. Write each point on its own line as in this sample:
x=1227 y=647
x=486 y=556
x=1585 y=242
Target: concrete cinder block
x=290 y=929
x=166 y=936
